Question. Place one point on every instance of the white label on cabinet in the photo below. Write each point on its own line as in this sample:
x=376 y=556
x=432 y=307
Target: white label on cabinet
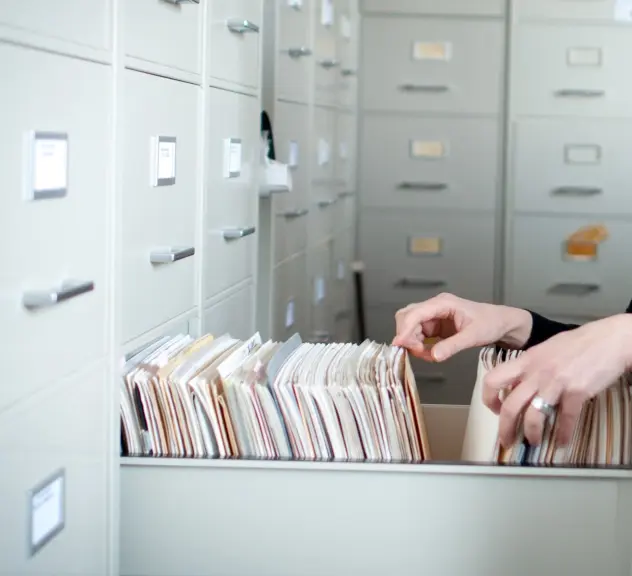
x=232 y=158
x=623 y=10
x=289 y=314
x=582 y=154
x=48 y=170
x=319 y=290
x=323 y=152
x=163 y=160
x=47 y=511
x=425 y=149
x=293 y=154
x=343 y=150
x=584 y=57
x=295 y=4
x=345 y=27
x=432 y=51
x=341 y=270
x=327 y=12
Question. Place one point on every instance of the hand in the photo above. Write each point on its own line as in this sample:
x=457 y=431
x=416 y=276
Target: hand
x=460 y=324
x=565 y=371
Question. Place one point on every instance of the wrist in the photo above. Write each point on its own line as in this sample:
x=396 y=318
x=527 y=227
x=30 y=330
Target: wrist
x=622 y=333
x=517 y=325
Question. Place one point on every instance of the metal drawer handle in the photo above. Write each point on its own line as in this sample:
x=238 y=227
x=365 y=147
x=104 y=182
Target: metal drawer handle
x=183 y=1
x=436 y=88
x=347 y=72
x=571 y=93
x=237 y=233
x=574 y=289
x=582 y=191
x=420 y=283
x=292 y=214
x=170 y=255
x=343 y=315
x=432 y=379
x=240 y=26
x=425 y=186
x=327 y=203
x=298 y=52
x=43 y=299
x=328 y=64
x=346 y=194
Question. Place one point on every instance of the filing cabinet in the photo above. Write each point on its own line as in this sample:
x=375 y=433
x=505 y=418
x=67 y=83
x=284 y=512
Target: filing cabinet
x=291 y=298
x=434 y=65
x=55 y=166
x=165 y=33
x=234 y=42
x=322 y=215
x=345 y=210
x=341 y=274
x=231 y=314
x=320 y=305
x=323 y=144
x=160 y=188
x=570 y=10
x=326 y=62
x=434 y=163
x=231 y=190
x=431 y=7
x=345 y=150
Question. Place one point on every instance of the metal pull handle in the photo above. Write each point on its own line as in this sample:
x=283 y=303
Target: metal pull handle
x=435 y=88
x=329 y=64
x=239 y=26
x=237 y=233
x=432 y=379
x=345 y=194
x=420 y=283
x=423 y=186
x=292 y=214
x=327 y=203
x=43 y=299
x=582 y=191
x=347 y=72
x=170 y=255
x=343 y=315
x=298 y=52
x=573 y=93
x=182 y=1
x=574 y=289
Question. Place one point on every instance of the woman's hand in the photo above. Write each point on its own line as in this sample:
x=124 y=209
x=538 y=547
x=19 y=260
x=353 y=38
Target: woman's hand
x=565 y=371
x=460 y=324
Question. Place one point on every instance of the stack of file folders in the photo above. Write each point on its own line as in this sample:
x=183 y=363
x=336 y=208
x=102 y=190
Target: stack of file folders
x=225 y=398
x=602 y=436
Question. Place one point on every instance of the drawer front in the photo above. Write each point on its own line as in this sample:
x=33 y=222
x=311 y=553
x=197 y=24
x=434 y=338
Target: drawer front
x=432 y=7
x=432 y=65
x=64 y=427
x=320 y=303
x=159 y=213
x=343 y=328
x=234 y=44
x=341 y=273
x=322 y=214
x=79 y=22
x=348 y=92
x=542 y=279
x=232 y=197
x=162 y=32
x=345 y=151
x=450 y=382
x=572 y=71
x=593 y=10
x=323 y=144
x=326 y=61
x=232 y=315
x=583 y=166
x=345 y=213
x=430 y=162
x=411 y=255
x=290 y=298
x=55 y=247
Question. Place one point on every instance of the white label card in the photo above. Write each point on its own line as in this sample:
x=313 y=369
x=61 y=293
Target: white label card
x=289 y=314
x=323 y=152
x=343 y=151
x=295 y=4
x=341 y=270
x=47 y=512
x=232 y=158
x=432 y=51
x=293 y=154
x=345 y=27
x=582 y=154
x=49 y=166
x=319 y=290
x=327 y=12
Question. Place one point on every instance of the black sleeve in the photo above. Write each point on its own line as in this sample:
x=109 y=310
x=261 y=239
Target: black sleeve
x=543 y=329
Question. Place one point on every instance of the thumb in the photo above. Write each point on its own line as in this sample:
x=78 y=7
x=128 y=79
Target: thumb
x=447 y=348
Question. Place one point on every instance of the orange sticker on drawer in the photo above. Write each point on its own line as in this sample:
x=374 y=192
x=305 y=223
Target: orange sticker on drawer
x=422 y=246
x=432 y=50
x=425 y=149
x=584 y=243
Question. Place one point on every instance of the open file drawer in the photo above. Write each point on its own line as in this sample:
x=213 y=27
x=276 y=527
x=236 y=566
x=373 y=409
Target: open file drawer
x=242 y=518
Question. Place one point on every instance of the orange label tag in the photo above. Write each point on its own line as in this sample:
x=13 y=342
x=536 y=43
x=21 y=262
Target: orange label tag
x=584 y=244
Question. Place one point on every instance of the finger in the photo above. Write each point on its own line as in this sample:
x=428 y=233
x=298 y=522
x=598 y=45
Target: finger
x=512 y=408
x=569 y=411
x=506 y=374
x=460 y=341
x=550 y=390
x=433 y=309
x=414 y=339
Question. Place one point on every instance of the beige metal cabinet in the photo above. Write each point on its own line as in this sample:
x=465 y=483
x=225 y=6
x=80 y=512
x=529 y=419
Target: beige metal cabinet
x=233 y=314
x=320 y=291
x=294 y=53
x=569 y=10
x=432 y=7
x=291 y=298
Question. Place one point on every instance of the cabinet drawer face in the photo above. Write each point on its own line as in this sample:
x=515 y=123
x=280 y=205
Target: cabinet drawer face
x=323 y=144
x=166 y=33
x=572 y=71
x=542 y=278
x=293 y=21
x=160 y=181
x=450 y=382
x=80 y=22
x=432 y=65
x=231 y=190
x=233 y=315
x=341 y=273
x=291 y=298
x=326 y=60
x=430 y=162
x=64 y=427
x=233 y=47
x=411 y=255
x=431 y=7
x=319 y=291
x=582 y=166
x=55 y=164
x=345 y=150
x=345 y=213
x=323 y=213
x=594 y=10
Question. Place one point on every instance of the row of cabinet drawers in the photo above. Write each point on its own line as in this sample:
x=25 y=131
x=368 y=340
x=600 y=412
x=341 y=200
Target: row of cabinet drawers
x=414 y=255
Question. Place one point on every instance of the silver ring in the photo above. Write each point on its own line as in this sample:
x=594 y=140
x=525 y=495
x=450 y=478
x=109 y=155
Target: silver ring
x=541 y=406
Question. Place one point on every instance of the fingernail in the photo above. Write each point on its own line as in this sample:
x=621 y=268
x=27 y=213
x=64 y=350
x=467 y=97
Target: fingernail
x=438 y=355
